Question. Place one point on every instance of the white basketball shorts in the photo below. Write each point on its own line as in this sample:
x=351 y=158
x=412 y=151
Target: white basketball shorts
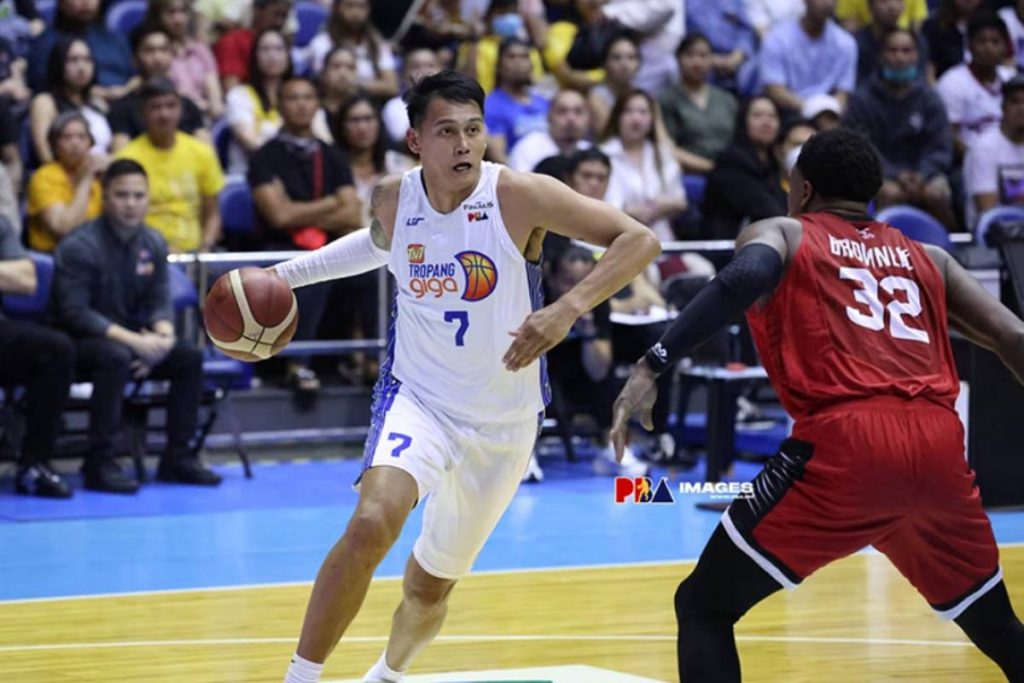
x=466 y=473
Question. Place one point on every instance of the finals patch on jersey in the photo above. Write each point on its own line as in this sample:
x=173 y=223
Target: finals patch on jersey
x=479 y=275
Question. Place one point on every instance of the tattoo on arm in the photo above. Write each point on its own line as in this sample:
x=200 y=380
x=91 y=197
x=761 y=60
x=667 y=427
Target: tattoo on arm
x=378 y=234
x=379 y=237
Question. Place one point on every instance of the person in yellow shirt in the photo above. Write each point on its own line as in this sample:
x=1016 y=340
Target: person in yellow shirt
x=560 y=38
x=479 y=59
x=854 y=14
x=184 y=174
x=64 y=193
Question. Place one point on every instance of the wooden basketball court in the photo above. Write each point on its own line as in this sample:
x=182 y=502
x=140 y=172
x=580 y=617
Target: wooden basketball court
x=855 y=621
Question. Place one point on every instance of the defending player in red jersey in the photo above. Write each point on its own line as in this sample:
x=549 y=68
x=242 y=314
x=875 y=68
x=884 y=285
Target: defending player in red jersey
x=850 y=319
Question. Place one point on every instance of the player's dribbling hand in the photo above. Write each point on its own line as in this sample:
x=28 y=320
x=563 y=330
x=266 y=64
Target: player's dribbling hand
x=539 y=333
x=637 y=397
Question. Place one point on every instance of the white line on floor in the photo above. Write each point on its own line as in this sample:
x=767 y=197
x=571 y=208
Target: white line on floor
x=452 y=639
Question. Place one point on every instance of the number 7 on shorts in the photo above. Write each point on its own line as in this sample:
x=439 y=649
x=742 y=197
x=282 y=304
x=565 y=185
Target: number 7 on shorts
x=404 y=441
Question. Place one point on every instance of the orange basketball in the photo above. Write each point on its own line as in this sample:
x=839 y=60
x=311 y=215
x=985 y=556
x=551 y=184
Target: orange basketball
x=250 y=314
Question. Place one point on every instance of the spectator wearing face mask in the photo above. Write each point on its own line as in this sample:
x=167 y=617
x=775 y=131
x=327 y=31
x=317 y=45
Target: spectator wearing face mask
x=514 y=108
x=906 y=121
x=479 y=59
x=886 y=15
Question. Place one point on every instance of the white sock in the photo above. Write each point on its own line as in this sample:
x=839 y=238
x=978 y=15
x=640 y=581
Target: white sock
x=381 y=672
x=303 y=671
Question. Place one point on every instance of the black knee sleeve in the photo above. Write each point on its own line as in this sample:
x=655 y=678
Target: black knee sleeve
x=991 y=625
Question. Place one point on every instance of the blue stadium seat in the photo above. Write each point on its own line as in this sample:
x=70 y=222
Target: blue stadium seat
x=125 y=15
x=993 y=216
x=25 y=147
x=916 y=224
x=236 y=208
x=183 y=291
x=311 y=16
x=47 y=10
x=220 y=133
x=694 y=185
x=35 y=305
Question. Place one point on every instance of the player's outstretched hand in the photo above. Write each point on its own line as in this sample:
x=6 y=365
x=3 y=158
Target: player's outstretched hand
x=637 y=397
x=539 y=333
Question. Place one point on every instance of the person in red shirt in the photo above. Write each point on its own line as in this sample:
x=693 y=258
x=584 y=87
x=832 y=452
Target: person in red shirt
x=234 y=49
x=850 y=319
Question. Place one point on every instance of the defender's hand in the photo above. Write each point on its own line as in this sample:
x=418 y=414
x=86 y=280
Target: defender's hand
x=637 y=397
x=540 y=332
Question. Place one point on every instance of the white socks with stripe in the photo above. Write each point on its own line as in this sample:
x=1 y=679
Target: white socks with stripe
x=303 y=671
x=382 y=673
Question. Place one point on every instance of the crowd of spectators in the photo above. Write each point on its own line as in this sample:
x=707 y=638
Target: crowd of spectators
x=723 y=92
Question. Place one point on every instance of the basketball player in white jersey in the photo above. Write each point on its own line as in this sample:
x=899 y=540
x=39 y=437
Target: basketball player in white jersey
x=456 y=409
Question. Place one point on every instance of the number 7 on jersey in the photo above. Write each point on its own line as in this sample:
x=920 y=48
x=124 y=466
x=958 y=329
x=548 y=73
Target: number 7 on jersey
x=461 y=317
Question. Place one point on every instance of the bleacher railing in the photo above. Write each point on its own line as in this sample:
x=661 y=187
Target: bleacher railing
x=205 y=267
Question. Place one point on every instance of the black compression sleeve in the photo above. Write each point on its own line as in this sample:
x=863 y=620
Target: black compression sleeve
x=752 y=273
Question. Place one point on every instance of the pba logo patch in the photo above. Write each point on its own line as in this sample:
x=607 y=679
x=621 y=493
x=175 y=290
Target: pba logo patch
x=481 y=274
x=416 y=253
x=476 y=216
x=642 y=490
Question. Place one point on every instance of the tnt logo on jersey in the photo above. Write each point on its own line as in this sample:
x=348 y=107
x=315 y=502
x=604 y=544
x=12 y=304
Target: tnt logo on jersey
x=416 y=253
x=640 y=490
x=439 y=279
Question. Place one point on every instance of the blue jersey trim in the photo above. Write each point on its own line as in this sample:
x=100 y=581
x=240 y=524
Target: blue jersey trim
x=535 y=278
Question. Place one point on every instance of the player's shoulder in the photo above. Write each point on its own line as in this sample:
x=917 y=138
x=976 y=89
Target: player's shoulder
x=783 y=225
x=386 y=192
x=517 y=186
x=384 y=201
x=939 y=256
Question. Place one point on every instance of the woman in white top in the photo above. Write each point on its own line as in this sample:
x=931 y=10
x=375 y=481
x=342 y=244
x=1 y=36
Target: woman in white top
x=71 y=74
x=349 y=24
x=252 y=108
x=621 y=63
x=361 y=136
x=646 y=180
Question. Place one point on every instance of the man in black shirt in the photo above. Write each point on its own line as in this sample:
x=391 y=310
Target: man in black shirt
x=304 y=197
x=42 y=360
x=112 y=292
x=151 y=48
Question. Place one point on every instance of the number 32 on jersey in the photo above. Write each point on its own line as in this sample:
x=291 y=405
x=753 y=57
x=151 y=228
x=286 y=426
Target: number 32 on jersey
x=899 y=312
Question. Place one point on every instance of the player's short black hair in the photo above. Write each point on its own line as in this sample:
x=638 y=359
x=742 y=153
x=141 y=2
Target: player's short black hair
x=841 y=164
x=585 y=155
x=122 y=167
x=446 y=85
x=987 y=22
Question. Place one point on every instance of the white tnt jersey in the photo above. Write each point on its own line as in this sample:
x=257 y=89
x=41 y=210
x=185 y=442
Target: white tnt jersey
x=462 y=286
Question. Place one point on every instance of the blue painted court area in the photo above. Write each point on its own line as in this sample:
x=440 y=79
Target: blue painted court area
x=277 y=527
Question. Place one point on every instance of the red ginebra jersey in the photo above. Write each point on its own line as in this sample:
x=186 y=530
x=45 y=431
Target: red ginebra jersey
x=861 y=312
